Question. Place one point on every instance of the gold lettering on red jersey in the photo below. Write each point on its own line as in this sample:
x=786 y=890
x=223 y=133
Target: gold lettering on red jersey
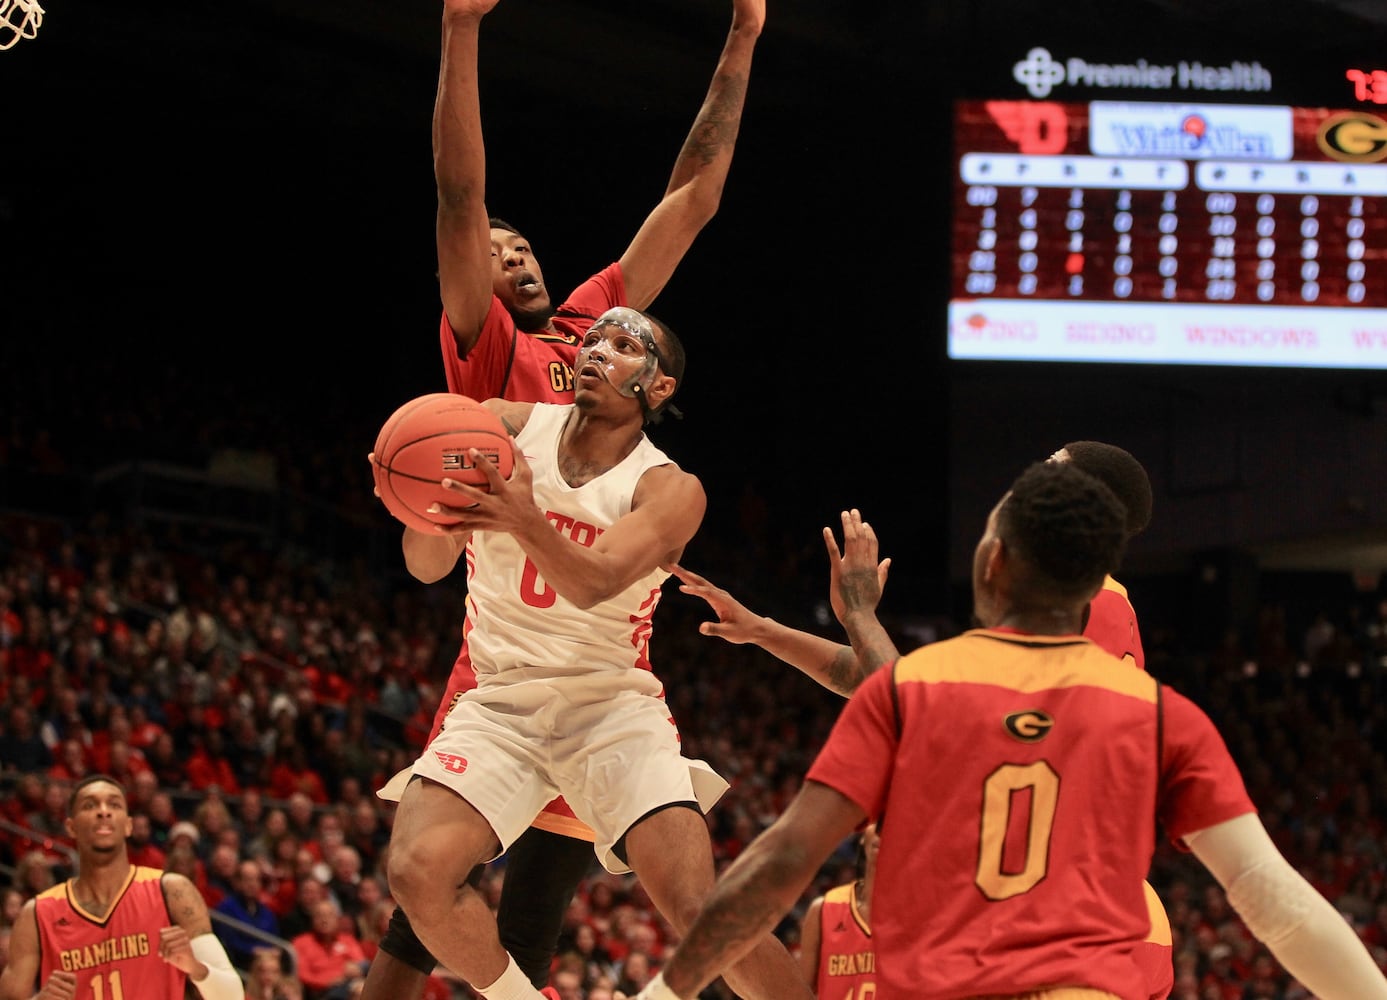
x=852 y=963
x=114 y=949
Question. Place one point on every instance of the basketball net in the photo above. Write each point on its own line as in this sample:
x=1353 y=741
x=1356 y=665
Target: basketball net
x=19 y=19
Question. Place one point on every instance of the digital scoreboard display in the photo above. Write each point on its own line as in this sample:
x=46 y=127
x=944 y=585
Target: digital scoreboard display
x=1168 y=232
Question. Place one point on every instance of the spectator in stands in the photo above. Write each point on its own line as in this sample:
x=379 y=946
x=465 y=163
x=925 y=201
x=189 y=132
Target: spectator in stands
x=145 y=730
x=374 y=920
x=122 y=762
x=246 y=752
x=207 y=765
x=299 y=918
x=303 y=822
x=261 y=837
x=26 y=798
x=213 y=817
x=183 y=859
x=344 y=863
x=222 y=863
x=596 y=961
x=331 y=962
x=291 y=773
x=268 y=979
x=166 y=762
x=163 y=818
x=250 y=814
x=567 y=983
x=51 y=830
x=247 y=905
x=142 y=792
x=70 y=765
x=64 y=722
x=634 y=973
x=21 y=747
x=329 y=834
x=11 y=902
x=183 y=832
x=34 y=873
x=367 y=833
x=140 y=844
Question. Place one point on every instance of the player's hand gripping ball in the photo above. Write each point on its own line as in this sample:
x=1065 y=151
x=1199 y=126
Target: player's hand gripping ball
x=427 y=440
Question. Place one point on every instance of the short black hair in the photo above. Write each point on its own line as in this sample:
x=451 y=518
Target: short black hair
x=1120 y=472
x=672 y=360
x=92 y=779
x=496 y=222
x=1068 y=529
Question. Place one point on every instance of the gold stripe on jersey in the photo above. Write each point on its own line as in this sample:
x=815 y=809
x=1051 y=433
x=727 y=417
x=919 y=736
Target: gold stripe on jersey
x=567 y=826
x=67 y=890
x=1160 y=922
x=847 y=895
x=1058 y=993
x=1006 y=659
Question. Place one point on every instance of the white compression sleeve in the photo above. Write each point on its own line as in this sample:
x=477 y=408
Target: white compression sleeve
x=1310 y=938
x=222 y=982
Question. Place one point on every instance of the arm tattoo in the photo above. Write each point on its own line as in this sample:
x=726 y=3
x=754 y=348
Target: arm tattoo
x=719 y=121
x=845 y=673
x=183 y=907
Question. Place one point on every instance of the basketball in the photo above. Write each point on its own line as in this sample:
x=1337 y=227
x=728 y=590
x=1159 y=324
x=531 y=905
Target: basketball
x=427 y=440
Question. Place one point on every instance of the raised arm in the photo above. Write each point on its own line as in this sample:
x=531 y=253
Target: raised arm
x=459 y=163
x=856 y=579
x=830 y=663
x=695 y=185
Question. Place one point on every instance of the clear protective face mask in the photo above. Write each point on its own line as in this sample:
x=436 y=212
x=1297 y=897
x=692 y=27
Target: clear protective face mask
x=622 y=334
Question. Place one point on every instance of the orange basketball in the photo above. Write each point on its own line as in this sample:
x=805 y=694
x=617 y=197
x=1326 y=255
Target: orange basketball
x=427 y=440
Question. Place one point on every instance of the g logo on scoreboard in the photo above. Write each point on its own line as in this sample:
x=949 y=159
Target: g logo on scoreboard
x=1353 y=137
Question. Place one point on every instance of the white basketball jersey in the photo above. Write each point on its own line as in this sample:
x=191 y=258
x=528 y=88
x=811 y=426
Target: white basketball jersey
x=515 y=619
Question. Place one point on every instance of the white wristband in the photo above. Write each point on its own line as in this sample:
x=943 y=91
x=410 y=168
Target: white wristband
x=222 y=981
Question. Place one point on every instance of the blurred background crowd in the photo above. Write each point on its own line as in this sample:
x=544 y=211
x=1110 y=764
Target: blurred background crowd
x=253 y=680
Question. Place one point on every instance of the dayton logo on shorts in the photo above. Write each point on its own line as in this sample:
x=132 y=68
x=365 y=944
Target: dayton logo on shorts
x=452 y=763
x=1029 y=727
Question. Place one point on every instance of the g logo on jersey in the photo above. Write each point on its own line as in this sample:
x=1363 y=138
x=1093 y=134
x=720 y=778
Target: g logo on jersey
x=1353 y=137
x=1030 y=726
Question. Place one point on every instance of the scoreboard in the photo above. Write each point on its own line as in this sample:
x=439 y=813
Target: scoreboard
x=1169 y=232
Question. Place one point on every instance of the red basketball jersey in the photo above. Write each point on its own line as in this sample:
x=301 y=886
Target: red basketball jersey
x=1018 y=780
x=847 y=964
x=529 y=367
x=1112 y=623
x=115 y=957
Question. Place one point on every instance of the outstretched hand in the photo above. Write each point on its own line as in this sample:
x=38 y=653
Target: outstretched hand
x=855 y=577
x=735 y=622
